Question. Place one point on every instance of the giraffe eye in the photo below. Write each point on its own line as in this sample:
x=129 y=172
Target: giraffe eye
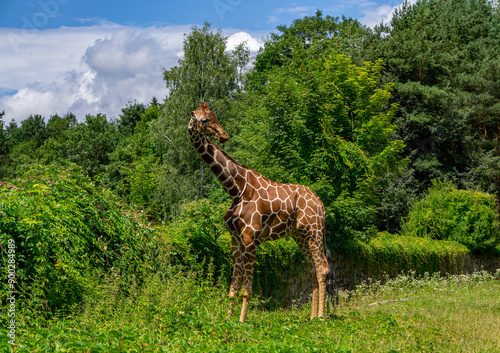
x=204 y=121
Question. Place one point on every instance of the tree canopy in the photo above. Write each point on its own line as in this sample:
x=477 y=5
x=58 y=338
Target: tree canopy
x=366 y=118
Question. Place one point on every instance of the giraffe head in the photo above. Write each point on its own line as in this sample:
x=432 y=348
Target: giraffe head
x=205 y=122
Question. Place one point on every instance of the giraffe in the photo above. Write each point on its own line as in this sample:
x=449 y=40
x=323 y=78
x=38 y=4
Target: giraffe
x=261 y=210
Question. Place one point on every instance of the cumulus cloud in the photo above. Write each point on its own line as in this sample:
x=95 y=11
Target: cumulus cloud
x=239 y=37
x=89 y=70
x=375 y=16
x=383 y=13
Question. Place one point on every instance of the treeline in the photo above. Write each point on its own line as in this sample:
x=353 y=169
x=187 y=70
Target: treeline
x=366 y=118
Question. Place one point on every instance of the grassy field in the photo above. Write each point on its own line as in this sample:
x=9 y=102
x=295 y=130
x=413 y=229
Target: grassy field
x=407 y=314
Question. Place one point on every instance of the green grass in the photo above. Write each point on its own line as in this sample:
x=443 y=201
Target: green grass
x=407 y=314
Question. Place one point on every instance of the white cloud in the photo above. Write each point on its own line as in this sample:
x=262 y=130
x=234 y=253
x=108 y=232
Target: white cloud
x=375 y=15
x=89 y=70
x=235 y=39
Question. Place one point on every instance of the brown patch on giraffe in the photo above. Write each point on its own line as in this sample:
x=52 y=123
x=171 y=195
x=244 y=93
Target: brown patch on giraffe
x=272 y=193
x=197 y=145
x=251 y=180
x=228 y=184
x=217 y=169
x=210 y=149
x=255 y=223
x=301 y=203
x=234 y=191
x=208 y=159
x=219 y=157
x=265 y=210
x=232 y=170
x=263 y=194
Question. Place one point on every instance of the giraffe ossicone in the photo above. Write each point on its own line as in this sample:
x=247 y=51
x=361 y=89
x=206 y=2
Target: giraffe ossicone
x=262 y=210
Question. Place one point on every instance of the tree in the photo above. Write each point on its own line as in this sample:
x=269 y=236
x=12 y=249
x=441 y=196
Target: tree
x=207 y=72
x=444 y=59
x=88 y=144
x=32 y=129
x=133 y=170
x=311 y=36
x=22 y=144
x=324 y=122
x=130 y=116
x=56 y=126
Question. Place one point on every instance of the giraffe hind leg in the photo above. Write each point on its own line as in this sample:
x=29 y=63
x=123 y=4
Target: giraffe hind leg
x=321 y=271
x=300 y=239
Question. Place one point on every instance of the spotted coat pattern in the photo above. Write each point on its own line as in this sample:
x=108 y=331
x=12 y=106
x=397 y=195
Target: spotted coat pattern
x=261 y=210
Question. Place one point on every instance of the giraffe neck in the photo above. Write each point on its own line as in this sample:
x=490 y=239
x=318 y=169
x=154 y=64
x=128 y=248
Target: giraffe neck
x=230 y=173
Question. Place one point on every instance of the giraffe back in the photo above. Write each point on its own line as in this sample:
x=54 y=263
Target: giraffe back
x=269 y=210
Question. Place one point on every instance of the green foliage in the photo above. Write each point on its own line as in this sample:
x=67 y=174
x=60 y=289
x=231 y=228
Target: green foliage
x=130 y=116
x=33 y=129
x=394 y=254
x=409 y=313
x=311 y=36
x=21 y=144
x=443 y=57
x=89 y=144
x=134 y=168
x=465 y=216
x=398 y=191
x=326 y=123
x=67 y=232
x=196 y=236
x=56 y=126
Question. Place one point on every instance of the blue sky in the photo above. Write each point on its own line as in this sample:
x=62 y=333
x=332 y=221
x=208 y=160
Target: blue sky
x=92 y=56
x=244 y=14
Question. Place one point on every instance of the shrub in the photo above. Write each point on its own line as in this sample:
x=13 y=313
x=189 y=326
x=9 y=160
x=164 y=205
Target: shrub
x=465 y=216
x=68 y=232
x=199 y=239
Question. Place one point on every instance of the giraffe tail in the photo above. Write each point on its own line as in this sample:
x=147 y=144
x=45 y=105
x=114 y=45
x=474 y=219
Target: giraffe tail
x=331 y=278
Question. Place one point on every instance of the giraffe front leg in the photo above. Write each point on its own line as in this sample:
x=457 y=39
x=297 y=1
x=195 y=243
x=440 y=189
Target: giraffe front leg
x=234 y=288
x=237 y=250
x=249 y=262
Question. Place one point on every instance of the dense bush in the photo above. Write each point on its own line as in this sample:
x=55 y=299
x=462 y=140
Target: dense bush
x=465 y=216
x=68 y=233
